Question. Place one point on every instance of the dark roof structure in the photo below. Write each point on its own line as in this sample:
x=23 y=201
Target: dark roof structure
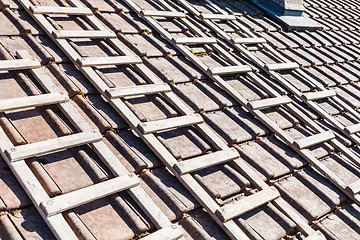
x=186 y=119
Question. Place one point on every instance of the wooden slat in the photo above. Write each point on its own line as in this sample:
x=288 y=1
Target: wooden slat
x=19 y=64
x=62 y=34
x=101 y=61
x=281 y=66
x=237 y=208
x=163 y=14
x=230 y=70
x=138 y=90
x=168 y=233
x=32 y=101
x=314 y=140
x=205 y=161
x=194 y=40
x=169 y=123
x=158 y=218
x=318 y=95
x=352 y=129
x=254 y=40
x=39 y=148
x=82 y=196
x=354 y=187
x=269 y=102
x=316 y=236
x=218 y=16
x=35 y=191
x=60 y=10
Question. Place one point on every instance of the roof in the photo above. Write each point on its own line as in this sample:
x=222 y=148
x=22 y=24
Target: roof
x=133 y=119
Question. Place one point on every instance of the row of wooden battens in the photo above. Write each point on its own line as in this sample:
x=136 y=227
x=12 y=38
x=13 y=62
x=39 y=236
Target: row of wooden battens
x=51 y=208
x=308 y=98
x=223 y=215
x=351 y=190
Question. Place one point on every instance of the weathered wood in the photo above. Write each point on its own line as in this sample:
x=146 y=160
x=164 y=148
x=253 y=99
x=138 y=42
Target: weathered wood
x=60 y=10
x=162 y=14
x=63 y=34
x=34 y=190
x=314 y=140
x=318 y=95
x=169 y=123
x=101 y=61
x=32 y=101
x=290 y=212
x=281 y=66
x=248 y=40
x=230 y=70
x=82 y=196
x=269 y=102
x=354 y=187
x=218 y=16
x=316 y=236
x=194 y=40
x=305 y=153
x=137 y=90
x=158 y=218
x=39 y=148
x=237 y=208
x=205 y=161
x=352 y=129
x=169 y=233
x=19 y=64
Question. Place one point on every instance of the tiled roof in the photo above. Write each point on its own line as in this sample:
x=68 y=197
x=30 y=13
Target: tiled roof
x=159 y=119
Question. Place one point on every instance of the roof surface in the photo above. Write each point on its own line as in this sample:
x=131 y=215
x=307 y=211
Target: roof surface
x=159 y=119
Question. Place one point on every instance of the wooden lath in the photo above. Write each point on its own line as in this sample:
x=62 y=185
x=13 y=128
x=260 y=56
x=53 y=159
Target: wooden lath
x=229 y=226
x=122 y=180
x=32 y=101
x=152 y=211
x=322 y=91
x=296 y=112
x=187 y=180
x=262 y=117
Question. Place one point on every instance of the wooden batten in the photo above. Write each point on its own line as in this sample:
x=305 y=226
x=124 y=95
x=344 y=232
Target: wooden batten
x=194 y=40
x=169 y=123
x=149 y=13
x=205 y=161
x=230 y=70
x=138 y=90
x=82 y=196
x=314 y=140
x=269 y=102
x=316 y=236
x=32 y=101
x=63 y=34
x=19 y=64
x=48 y=146
x=281 y=66
x=218 y=16
x=60 y=10
x=247 y=40
x=237 y=208
x=318 y=95
x=170 y=233
x=102 y=61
